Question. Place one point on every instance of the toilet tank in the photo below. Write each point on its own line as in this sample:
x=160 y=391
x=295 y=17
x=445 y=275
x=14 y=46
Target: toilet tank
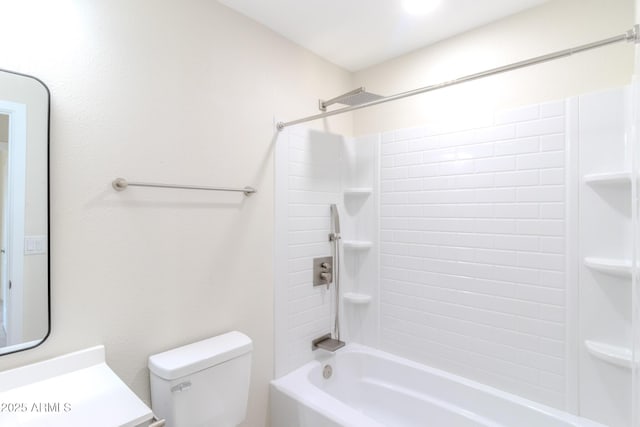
x=203 y=384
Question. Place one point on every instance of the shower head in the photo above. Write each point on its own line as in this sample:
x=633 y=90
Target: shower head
x=355 y=97
x=335 y=220
x=359 y=98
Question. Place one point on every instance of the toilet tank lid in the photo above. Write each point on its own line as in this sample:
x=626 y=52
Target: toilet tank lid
x=200 y=355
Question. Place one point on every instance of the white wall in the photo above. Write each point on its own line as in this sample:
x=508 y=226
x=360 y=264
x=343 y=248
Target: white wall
x=604 y=220
x=166 y=91
x=313 y=171
x=555 y=25
x=309 y=179
x=472 y=249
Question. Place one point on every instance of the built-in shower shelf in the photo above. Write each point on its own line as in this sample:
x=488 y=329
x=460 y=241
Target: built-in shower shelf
x=612 y=266
x=614 y=354
x=358 y=191
x=608 y=178
x=356 y=298
x=358 y=245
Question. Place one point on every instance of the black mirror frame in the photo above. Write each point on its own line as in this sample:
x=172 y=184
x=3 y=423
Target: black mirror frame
x=48 y=212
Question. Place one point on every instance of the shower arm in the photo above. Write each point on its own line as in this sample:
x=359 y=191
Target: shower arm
x=630 y=36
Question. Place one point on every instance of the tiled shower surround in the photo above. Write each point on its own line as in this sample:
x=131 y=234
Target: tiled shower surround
x=308 y=169
x=470 y=239
x=472 y=249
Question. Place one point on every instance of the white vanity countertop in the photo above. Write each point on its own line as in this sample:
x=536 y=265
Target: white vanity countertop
x=77 y=389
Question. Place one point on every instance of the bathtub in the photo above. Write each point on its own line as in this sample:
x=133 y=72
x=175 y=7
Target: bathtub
x=371 y=388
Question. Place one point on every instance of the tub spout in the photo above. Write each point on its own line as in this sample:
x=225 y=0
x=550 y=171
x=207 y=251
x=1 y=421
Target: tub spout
x=325 y=342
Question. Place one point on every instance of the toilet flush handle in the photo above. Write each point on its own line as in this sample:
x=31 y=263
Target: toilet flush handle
x=181 y=387
x=155 y=422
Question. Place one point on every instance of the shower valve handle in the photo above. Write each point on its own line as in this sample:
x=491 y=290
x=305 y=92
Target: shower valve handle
x=323 y=271
x=326 y=277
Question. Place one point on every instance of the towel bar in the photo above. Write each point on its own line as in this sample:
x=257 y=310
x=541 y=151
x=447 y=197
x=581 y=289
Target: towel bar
x=121 y=184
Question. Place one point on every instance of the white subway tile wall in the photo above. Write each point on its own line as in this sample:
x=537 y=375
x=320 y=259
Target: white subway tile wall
x=472 y=249
x=314 y=169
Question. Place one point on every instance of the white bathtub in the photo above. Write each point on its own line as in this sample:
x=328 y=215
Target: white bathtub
x=371 y=388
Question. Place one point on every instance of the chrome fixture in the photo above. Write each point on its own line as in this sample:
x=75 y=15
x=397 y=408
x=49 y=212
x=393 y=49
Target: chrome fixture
x=334 y=237
x=354 y=97
x=323 y=271
x=121 y=184
x=633 y=36
x=327 y=372
x=335 y=221
x=325 y=342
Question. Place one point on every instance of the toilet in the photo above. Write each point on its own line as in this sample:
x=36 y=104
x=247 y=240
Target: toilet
x=204 y=384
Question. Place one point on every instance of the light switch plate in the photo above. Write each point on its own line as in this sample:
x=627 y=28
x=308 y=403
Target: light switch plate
x=34 y=245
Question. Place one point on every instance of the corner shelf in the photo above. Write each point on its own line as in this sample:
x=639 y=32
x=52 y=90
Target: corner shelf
x=608 y=178
x=356 y=298
x=612 y=266
x=616 y=355
x=358 y=191
x=359 y=245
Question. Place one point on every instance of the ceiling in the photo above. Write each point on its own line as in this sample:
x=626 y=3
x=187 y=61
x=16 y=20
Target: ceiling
x=356 y=34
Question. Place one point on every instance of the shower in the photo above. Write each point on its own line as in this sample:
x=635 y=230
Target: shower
x=472 y=242
x=359 y=98
x=326 y=342
x=354 y=97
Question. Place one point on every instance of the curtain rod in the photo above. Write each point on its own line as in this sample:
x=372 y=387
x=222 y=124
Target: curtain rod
x=633 y=35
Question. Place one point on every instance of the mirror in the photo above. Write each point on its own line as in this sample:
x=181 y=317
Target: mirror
x=24 y=212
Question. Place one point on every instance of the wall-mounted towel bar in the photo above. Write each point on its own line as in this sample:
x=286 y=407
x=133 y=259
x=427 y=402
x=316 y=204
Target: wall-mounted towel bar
x=121 y=184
